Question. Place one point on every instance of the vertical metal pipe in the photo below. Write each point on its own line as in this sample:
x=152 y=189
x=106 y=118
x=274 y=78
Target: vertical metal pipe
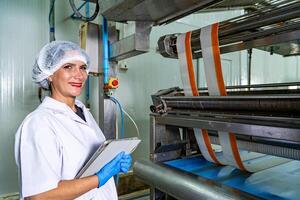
x=197 y=72
x=105 y=50
x=249 y=66
x=87 y=14
x=52 y=21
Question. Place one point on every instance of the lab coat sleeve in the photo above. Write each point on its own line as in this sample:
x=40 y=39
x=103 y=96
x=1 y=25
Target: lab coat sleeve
x=40 y=156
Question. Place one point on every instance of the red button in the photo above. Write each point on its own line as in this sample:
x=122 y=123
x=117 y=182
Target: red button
x=115 y=82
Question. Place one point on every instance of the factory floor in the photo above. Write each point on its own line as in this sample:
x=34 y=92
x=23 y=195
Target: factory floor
x=137 y=195
x=16 y=197
x=12 y=196
x=142 y=198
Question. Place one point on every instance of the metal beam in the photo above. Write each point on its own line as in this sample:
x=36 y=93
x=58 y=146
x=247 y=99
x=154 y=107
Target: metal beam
x=259 y=128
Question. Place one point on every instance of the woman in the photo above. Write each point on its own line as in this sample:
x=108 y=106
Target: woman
x=55 y=140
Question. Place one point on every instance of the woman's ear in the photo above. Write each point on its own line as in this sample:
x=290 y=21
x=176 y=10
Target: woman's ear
x=50 y=78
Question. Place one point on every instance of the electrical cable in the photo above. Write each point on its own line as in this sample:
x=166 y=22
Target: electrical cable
x=122 y=116
x=81 y=6
x=51 y=21
x=122 y=111
x=116 y=177
x=117 y=125
x=87 y=8
x=136 y=127
x=51 y=11
x=80 y=16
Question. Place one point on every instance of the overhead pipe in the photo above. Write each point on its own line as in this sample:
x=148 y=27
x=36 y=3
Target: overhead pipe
x=241 y=28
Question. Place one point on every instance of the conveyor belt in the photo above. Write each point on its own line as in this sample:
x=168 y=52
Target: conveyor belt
x=278 y=183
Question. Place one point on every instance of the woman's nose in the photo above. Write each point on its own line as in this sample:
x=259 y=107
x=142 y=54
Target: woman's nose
x=79 y=74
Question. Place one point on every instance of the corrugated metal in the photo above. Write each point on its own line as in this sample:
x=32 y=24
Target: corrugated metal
x=23 y=30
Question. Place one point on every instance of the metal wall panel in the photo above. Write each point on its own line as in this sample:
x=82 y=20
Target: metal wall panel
x=23 y=30
x=268 y=68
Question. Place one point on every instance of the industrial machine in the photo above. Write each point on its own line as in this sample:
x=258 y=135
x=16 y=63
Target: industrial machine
x=264 y=118
x=267 y=124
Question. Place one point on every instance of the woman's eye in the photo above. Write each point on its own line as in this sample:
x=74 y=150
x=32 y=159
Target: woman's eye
x=67 y=67
x=83 y=67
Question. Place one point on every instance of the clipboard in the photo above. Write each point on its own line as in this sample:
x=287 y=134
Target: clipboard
x=105 y=153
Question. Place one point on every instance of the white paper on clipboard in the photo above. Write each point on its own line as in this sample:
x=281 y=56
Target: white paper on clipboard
x=105 y=153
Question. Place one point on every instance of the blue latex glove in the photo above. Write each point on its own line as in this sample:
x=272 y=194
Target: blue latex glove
x=126 y=163
x=121 y=163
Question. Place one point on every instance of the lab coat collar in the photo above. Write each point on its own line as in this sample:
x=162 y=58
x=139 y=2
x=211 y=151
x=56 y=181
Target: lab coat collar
x=62 y=108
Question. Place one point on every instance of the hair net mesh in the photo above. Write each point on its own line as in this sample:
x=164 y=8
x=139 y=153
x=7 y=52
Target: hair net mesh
x=53 y=56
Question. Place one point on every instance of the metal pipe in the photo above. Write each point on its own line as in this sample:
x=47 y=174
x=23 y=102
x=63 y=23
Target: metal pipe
x=243 y=28
x=182 y=185
x=275 y=16
x=249 y=66
x=105 y=50
x=282 y=104
x=250 y=21
x=87 y=14
x=52 y=21
x=260 y=86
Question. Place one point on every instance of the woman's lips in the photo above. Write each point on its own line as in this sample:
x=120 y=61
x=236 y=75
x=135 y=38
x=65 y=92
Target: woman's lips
x=78 y=85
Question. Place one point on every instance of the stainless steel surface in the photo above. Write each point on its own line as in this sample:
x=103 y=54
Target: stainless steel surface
x=291 y=48
x=274 y=24
x=183 y=186
x=110 y=110
x=264 y=124
x=133 y=45
x=161 y=135
x=246 y=4
x=156 y=11
x=266 y=129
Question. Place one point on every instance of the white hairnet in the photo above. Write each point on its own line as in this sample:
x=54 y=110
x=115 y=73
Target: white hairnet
x=53 y=56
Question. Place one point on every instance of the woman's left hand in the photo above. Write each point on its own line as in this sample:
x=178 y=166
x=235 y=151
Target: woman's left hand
x=126 y=162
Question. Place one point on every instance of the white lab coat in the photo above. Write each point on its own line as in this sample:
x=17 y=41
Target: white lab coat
x=52 y=144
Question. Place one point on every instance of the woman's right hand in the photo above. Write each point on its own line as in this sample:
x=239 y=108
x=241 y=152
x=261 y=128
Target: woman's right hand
x=121 y=163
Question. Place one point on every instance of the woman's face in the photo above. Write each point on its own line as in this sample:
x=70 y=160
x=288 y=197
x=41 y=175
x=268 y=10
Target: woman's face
x=68 y=80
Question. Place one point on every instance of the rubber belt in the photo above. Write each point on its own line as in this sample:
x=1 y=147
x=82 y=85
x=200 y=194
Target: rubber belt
x=244 y=160
x=191 y=89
